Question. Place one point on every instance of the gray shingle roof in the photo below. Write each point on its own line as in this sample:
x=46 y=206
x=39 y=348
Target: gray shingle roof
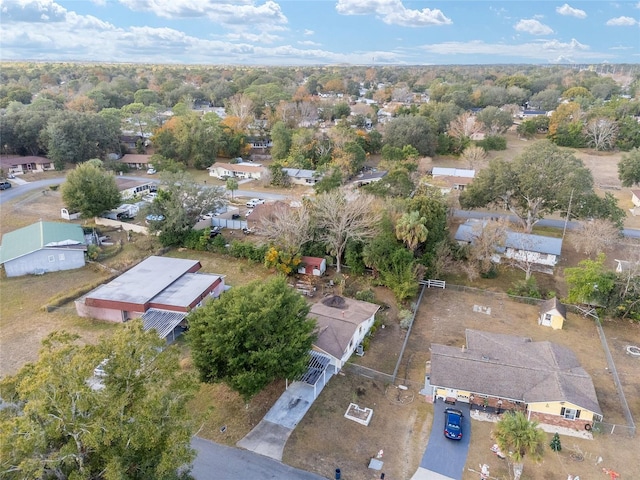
x=514 y=368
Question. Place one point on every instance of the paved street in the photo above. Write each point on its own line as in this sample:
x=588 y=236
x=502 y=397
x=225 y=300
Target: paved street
x=219 y=462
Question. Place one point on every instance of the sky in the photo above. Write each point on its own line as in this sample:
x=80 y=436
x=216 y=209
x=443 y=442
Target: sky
x=321 y=32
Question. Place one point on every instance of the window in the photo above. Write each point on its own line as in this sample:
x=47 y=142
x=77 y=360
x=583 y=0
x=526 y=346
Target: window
x=61 y=257
x=569 y=413
x=52 y=258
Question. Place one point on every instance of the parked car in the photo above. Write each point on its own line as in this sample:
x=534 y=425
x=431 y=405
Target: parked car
x=235 y=216
x=453 y=423
x=247 y=231
x=5 y=185
x=255 y=201
x=151 y=171
x=214 y=232
x=154 y=218
x=248 y=213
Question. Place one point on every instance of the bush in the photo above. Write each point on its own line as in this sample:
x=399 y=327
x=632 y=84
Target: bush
x=525 y=288
x=248 y=250
x=405 y=317
x=493 y=142
x=365 y=296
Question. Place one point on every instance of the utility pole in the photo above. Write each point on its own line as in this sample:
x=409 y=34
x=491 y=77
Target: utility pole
x=566 y=220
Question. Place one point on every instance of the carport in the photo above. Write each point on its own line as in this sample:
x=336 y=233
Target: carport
x=271 y=434
x=164 y=322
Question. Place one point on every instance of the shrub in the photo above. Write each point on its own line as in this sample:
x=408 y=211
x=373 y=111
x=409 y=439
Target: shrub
x=365 y=296
x=493 y=142
x=405 y=317
x=525 y=288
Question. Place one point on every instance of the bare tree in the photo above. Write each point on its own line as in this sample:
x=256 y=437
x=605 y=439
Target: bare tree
x=488 y=237
x=602 y=133
x=523 y=254
x=339 y=219
x=464 y=125
x=594 y=236
x=287 y=227
x=474 y=156
x=241 y=106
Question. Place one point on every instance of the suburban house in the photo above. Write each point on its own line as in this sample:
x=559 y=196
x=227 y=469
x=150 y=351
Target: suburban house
x=130 y=188
x=627 y=267
x=635 y=199
x=552 y=314
x=135 y=161
x=506 y=372
x=160 y=290
x=367 y=178
x=43 y=247
x=20 y=165
x=526 y=114
x=536 y=249
x=298 y=176
x=315 y=266
x=448 y=179
x=341 y=325
x=266 y=211
x=243 y=170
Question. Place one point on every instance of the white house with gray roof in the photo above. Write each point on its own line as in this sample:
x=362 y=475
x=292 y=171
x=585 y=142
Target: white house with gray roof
x=300 y=176
x=43 y=247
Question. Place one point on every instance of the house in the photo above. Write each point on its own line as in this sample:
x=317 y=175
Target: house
x=552 y=314
x=536 y=249
x=367 y=178
x=635 y=197
x=160 y=290
x=312 y=266
x=243 y=170
x=20 y=165
x=266 y=212
x=505 y=372
x=136 y=162
x=298 y=176
x=341 y=325
x=627 y=267
x=43 y=247
x=130 y=188
x=449 y=179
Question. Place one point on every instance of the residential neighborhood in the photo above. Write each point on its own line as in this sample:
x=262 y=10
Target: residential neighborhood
x=325 y=276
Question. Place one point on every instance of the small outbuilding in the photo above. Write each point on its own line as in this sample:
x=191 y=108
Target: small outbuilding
x=552 y=314
x=312 y=266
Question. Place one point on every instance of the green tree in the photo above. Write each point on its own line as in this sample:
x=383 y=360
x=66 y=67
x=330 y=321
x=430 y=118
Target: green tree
x=540 y=181
x=515 y=434
x=90 y=190
x=590 y=282
x=411 y=229
x=555 y=444
x=181 y=201
x=411 y=130
x=495 y=121
x=281 y=139
x=247 y=343
x=232 y=185
x=629 y=168
x=62 y=422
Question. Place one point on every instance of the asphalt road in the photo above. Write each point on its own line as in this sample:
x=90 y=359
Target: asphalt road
x=219 y=462
x=444 y=456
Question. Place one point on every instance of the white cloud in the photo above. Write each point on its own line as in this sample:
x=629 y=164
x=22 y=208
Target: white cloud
x=245 y=13
x=309 y=43
x=622 y=22
x=308 y=32
x=33 y=11
x=393 y=12
x=569 y=11
x=548 y=51
x=533 y=27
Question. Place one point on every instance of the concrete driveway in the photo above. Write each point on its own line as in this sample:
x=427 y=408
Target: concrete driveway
x=269 y=437
x=445 y=459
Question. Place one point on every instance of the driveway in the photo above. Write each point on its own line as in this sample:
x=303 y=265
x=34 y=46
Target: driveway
x=269 y=437
x=445 y=459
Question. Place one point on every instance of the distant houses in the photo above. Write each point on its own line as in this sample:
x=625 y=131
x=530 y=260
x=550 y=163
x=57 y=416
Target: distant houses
x=241 y=171
x=448 y=179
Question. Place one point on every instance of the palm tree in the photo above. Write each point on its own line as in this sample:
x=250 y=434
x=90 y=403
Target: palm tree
x=232 y=184
x=519 y=436
x=412 y=229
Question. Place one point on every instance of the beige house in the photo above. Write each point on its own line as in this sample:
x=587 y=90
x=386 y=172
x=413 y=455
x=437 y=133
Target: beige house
x=552 y=314
x=501 y=372
x=14 y=165
x=240 y=171
x=342 y=324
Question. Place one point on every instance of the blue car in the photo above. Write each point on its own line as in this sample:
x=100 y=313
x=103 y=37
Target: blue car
x=453 y=423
